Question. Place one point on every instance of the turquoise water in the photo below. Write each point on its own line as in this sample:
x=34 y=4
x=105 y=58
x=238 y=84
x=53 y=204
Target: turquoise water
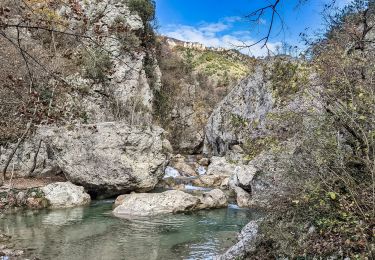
x=93 y=233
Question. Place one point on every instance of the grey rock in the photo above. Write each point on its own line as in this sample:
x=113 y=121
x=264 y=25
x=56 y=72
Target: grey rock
x=243 y=176
x=109 y=158
x=245 y=244
x=149 y=204
x=65 y=195
x=213 y=199
x=220 y=167
x=248 y=102
x=243 y=198
x=204 y=161
x=21 y=198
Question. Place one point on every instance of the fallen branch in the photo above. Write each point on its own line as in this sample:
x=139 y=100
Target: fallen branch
x=14 y=151
x=35 y=157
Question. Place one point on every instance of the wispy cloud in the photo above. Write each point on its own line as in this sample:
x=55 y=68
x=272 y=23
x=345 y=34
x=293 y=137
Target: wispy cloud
x=219 y=34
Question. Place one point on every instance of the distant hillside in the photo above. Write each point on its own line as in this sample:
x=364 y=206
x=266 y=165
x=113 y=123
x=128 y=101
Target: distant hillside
x=220 y=63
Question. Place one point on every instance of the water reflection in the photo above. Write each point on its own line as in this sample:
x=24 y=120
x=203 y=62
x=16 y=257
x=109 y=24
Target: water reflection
x=93 y=233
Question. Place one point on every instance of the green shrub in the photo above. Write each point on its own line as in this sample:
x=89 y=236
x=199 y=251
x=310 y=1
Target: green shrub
x=96 y=64
x=144 y=8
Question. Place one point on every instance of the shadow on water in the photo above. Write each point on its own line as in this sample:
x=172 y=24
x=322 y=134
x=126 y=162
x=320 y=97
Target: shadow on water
x=93 y=233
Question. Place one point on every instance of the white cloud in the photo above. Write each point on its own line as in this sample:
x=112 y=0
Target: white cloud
x=219 y=35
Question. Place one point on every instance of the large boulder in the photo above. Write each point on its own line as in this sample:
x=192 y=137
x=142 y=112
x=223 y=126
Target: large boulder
x=149 y=204
x=109 y=158
x=243 y=177
x=172 y=201
x=65 y=195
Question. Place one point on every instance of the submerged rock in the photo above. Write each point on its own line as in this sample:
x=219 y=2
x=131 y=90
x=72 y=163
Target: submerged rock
x=65 y=195
x=109 y=158
x=173 y=201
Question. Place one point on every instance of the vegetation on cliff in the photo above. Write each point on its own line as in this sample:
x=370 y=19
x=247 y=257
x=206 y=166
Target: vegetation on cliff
x=330 y=208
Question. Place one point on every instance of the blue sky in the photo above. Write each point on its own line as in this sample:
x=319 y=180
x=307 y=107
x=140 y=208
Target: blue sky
x=221 y=23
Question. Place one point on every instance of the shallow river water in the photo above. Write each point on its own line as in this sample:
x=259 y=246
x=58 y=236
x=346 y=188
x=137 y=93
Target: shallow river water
x=93 y=233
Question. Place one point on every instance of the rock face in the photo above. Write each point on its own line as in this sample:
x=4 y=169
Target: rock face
x=32 y=158
x=248 y=102
x=110 y=85
x=173 y=201
x=108 y=158
x=65 y=195
x=245 y=244
x=256 y=129
x=126 y=93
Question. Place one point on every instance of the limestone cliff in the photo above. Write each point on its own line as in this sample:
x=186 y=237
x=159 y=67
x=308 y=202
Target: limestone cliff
x=102 y=69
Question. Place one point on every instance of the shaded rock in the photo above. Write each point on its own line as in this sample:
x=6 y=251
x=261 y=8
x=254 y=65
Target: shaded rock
x=109 y=158
x=243 y=198
x=213 y=199
x=204 y=161
x=245 y=244
x=31 y=151
x=243 y=176
x=65 y=195
x=173 y=183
